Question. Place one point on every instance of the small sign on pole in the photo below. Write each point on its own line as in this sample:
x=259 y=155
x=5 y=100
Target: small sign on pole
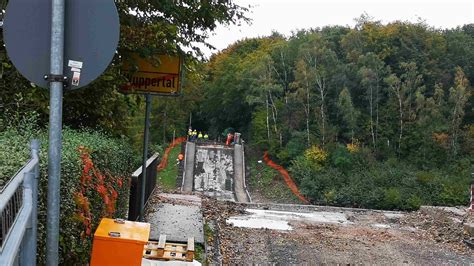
x=146 y=78
x=164 y=79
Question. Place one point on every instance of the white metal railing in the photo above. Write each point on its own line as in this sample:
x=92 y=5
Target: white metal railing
x=19 y=214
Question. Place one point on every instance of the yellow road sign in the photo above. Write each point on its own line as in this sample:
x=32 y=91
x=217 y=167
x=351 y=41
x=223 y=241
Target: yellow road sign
x=148 y=78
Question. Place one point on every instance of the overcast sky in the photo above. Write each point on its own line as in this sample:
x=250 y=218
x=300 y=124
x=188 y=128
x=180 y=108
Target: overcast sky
x=286 y=16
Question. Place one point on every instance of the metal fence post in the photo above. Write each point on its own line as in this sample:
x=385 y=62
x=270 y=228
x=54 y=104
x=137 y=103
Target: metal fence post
x=27 y=257
x=30 y=182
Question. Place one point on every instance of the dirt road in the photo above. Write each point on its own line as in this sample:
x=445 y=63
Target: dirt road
x=428 y=237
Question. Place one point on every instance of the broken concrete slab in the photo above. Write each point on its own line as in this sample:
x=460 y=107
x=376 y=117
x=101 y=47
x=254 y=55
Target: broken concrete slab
x=382 y=226
x=279 y=220
x=454 y=210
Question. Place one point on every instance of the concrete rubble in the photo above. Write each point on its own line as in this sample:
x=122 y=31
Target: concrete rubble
x=431 y=236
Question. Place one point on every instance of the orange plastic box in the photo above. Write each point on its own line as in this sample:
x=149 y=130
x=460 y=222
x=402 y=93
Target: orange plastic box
x=119 y=242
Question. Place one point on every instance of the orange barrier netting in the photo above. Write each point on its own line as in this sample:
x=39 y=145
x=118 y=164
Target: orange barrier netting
x=289 y=182
x=164 y=160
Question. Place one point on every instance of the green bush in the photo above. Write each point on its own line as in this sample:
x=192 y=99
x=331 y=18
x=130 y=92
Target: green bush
x=297 y=144
x=112 y=160
x=392 y=198
x=390 y=185
x=341 y=158
x=414 y=202
x=14 y=148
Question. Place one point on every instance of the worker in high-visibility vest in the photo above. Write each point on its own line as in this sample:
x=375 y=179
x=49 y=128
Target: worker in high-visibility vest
x=190 y=134
x=199 y=136
x=194 y=135
x=206 y=137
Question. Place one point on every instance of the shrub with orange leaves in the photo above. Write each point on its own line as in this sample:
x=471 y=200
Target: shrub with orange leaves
x=95 y=185
x=442 y=139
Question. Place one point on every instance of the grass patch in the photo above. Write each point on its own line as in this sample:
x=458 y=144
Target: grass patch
x=269 y=183
x=208 y=230
x=167 y=176
x=199 y=253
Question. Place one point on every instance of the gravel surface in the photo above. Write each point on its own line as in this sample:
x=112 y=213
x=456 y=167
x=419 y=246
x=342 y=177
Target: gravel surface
x=431 y=236
x=176 y=216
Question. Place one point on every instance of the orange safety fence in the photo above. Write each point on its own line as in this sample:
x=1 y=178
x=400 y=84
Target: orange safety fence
x=164 y=160
x=289 y=182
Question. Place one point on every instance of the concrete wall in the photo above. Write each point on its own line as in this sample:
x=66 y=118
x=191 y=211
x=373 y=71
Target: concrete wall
x=216 y=171
x=188 y=174
x=239 y=175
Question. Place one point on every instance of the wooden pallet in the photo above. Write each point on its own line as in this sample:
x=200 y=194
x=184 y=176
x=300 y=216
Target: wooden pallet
x=163 y=250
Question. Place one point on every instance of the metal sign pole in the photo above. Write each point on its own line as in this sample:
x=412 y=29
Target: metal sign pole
x=55 y=126
x=145 y=154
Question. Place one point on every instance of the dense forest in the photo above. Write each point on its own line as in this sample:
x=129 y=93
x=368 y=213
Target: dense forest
x=377 y=116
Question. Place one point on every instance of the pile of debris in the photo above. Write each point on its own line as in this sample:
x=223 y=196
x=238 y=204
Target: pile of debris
x=215 y=214
x=442 y=224
x=432 y=235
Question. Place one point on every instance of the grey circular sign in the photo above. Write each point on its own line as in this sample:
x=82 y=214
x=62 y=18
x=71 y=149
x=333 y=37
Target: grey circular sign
x=91 y=35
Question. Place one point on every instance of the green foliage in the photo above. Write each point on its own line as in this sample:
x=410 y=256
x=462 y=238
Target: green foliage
x=296 y=145
x=391 y=199
x=341 y=158
x=110 y=156
x=155 y=27
x=199 y=253
x=378 y=185
x=167 y=176
x=374 y=97
x=268 y=182
x=385 y=86
x=316 y=156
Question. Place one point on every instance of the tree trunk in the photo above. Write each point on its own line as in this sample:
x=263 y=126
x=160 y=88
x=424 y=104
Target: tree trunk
x=322 y=90
x=164 y=127
x=268 y=122
x=399 y=96
x=377 y=112
x=274 y=113
x=275 y=118
x=371 y=107
x=307 y=110
x=454 y=130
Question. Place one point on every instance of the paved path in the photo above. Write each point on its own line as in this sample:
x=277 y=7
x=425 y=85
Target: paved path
x=176 y=216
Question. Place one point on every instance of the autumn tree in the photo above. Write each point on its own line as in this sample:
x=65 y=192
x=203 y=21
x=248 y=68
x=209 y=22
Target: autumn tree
x=458 y=97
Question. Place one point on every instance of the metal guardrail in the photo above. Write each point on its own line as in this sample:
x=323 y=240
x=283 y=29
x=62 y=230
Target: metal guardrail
x=135 y=187
x=19 y=214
